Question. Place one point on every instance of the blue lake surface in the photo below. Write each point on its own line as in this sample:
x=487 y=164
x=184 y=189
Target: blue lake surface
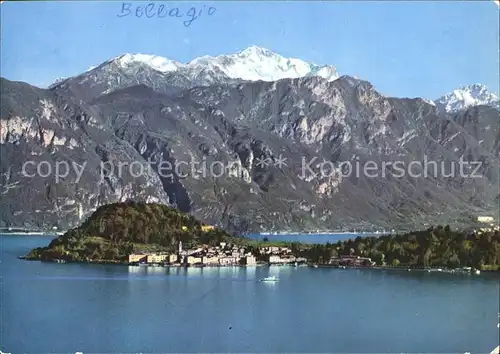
x=56 y=308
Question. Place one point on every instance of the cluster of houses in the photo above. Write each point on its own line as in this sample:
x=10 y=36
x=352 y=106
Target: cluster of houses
x=231 y=255
x=221 y=255
x=280 y=255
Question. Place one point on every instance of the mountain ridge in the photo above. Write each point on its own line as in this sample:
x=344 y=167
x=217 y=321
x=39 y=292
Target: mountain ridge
x=240 y=124
x=253 y=64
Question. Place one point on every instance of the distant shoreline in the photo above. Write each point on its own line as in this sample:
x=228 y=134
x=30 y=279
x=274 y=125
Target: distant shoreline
x=31 y=233
x=247 y=234
x=325 y=233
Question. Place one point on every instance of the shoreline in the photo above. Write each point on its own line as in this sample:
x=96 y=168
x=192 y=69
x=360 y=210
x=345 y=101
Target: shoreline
x=438 y=270
x=265 y=264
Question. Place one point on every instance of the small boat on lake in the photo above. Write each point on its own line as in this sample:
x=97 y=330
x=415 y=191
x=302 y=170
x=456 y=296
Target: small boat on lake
x=270 y=279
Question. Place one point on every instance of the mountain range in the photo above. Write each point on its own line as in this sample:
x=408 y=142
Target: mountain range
x=263 y=117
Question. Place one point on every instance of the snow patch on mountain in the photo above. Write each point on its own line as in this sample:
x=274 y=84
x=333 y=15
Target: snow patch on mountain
x=432 y=103
x=57 y=81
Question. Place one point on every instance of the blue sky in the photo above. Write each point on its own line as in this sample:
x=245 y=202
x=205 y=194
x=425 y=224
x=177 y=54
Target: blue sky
x=406 y=49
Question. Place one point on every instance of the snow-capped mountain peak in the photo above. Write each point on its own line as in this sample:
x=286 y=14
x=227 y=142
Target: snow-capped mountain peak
x=255 y=51
x=253 y=64
x=467 y=96
x=155 y=62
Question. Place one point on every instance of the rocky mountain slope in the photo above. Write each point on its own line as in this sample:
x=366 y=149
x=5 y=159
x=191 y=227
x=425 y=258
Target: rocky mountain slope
x=284 y=147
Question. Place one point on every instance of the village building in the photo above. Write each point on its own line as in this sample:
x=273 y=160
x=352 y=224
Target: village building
x=224 y=261
x=136 y=258
x=275 y=259
x=191 y=260
x=156 y=258
x=250 y=260
x=210 y=260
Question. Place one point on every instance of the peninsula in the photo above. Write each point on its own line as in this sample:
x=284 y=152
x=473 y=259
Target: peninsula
x=134 y=233
x=115 y=231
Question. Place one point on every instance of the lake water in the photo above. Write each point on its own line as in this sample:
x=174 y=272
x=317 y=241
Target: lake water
x=55 y=308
